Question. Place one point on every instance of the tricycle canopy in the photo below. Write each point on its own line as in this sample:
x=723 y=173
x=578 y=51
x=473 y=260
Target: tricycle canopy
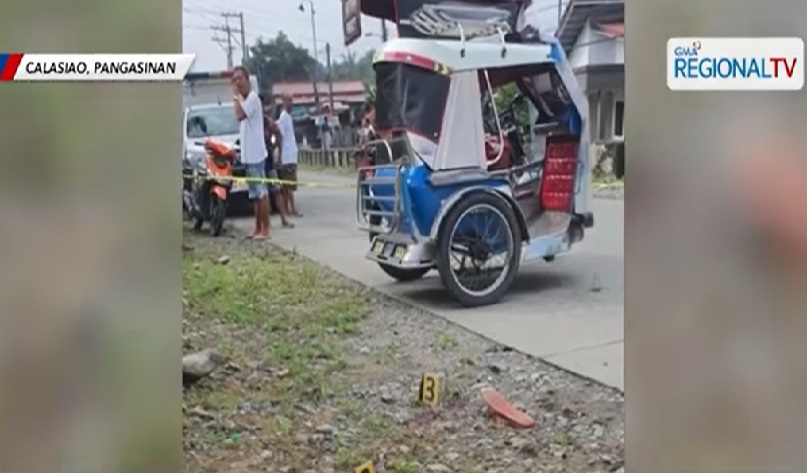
x=432 y=92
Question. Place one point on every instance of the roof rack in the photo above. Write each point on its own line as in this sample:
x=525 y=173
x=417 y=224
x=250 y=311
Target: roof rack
x=463 y=22
x=460 y=21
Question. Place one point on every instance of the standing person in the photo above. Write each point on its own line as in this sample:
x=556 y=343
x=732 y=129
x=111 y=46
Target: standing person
x=288 y=156
x=249 y=112
x=274 y=142
x=367 y=135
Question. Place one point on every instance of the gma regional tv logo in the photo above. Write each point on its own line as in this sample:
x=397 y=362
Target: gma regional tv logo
x=735 y=63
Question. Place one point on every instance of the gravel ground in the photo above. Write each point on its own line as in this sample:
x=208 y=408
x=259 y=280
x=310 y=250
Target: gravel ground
x=323 y=376
x=613 y=193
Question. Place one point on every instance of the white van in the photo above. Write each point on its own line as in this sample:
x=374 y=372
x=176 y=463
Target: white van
x=215 y=121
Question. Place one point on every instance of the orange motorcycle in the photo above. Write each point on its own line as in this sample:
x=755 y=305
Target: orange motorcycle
x=205 y=198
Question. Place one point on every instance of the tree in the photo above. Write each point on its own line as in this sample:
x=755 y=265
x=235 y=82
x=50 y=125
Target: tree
x=279 y=60
x=346 y=68
x=351 y=67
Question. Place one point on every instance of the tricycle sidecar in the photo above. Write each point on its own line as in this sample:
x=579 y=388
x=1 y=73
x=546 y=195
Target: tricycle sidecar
x=457 y=184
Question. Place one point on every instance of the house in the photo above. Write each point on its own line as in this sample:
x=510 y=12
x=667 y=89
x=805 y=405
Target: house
x=348 y=96
x=348 y=100
x=592 y=34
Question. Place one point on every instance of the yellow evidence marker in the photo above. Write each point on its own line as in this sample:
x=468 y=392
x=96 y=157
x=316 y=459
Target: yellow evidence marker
x=368 y=467
x=430 y=389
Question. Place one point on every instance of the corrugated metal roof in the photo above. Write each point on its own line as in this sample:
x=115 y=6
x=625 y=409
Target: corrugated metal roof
x=612 y=29
x=578 y=12
x=296 y=89
x=323 y=97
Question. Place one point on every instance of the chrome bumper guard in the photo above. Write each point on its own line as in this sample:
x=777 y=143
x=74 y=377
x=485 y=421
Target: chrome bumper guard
x=365 y=200
x=401 y=251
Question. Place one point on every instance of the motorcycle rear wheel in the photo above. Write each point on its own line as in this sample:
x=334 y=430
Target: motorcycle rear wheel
x=218 y=212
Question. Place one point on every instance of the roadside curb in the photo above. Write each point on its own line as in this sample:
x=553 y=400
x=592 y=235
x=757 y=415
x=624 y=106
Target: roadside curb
x=426 y=312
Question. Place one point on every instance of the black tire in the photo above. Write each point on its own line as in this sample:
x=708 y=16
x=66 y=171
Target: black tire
x=218 y=212
x=396 y=273
x=451 y=284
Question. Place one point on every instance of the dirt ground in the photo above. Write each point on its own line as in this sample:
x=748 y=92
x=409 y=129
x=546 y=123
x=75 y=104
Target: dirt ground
x=323 y=376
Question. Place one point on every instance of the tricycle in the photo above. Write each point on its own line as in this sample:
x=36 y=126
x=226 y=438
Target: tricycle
x=457 y=184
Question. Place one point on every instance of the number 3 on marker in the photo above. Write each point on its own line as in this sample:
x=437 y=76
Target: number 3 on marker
x=368 y=467
x=429 y=389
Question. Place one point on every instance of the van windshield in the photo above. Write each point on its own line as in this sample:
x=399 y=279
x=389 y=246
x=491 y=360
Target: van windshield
x=410 y=98
x=218 y=121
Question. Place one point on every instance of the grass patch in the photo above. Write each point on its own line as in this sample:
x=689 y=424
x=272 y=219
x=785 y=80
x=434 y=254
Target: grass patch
x=446 y=342
x=273 y=291
x=300 y=311
x=609 y=180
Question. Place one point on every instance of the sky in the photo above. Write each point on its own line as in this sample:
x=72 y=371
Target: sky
x=265 y=18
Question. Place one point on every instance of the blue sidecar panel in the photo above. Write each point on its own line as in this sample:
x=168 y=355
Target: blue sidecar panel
x=421 y=201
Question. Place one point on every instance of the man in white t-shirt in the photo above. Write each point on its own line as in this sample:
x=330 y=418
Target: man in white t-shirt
x=288 y=156
x=249 y=112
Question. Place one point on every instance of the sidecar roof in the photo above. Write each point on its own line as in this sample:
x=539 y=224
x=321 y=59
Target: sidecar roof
x=446 y=56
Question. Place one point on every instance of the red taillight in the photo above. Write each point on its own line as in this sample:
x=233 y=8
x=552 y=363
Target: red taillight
x=560 y=171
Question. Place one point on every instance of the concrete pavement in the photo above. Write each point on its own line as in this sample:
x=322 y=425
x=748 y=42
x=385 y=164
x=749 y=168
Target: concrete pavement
x=569 y=312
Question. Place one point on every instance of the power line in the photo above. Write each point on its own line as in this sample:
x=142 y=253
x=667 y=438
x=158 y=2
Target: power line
x=214 y=8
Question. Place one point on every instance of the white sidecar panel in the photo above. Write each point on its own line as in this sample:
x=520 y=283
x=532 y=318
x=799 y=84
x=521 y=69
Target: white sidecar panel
x=462 y=144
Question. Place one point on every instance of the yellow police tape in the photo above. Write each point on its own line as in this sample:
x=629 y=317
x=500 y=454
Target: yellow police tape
x=282 y=182
x=331 y=185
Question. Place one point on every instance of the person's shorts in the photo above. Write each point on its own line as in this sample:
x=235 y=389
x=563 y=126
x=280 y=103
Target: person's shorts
x=257 y=190
x=271 y=186
x=288 y=172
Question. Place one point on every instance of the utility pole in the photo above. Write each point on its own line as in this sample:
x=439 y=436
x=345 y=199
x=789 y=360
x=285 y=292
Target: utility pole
x=228 y=38
x=384 y=29
x=226 y=46
x=330 y=75
x=242 y=31
x=229 y=33
x=315 y=71
x=245 y=54
x=560 y=13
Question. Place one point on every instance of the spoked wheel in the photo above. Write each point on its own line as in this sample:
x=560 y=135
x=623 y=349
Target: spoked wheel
x=479 y=249
x=399 y=274
x=218 y=211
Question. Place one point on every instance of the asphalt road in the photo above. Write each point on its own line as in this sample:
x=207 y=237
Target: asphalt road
x=568 y=312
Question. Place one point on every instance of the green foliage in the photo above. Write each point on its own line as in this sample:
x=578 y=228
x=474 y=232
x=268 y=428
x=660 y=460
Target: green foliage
x=279 y=60
x=370 y=93
x=351 y=67
x=505 y=95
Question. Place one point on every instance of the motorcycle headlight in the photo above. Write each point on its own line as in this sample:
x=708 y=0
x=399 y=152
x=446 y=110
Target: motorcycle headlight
x=195 y=157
